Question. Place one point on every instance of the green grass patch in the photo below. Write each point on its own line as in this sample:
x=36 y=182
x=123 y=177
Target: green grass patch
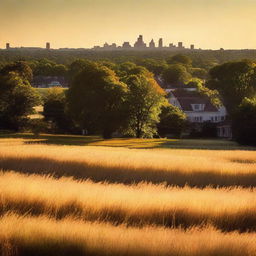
x=217 y=144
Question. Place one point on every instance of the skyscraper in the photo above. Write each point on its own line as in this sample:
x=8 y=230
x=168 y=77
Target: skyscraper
x=160 y=43
x=48 y=46
x=7 y=46
x=180 y=45
x=126 y=45
x=192 y=47
x=139 y=43
x=152 y=44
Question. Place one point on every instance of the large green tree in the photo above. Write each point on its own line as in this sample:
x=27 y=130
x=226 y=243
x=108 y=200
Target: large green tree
x=19 y=67
x=244 y=122
x=45 y=67
x=95 y=99
x=179 y=59
x=176 y=75
x=76 y=67
x=155 y=66
x=172 y=121
x=144 y=100
x=55 y=110
x=17 y=99
x=234 y=81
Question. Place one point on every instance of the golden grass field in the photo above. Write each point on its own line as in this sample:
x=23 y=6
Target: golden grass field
x=117 y=197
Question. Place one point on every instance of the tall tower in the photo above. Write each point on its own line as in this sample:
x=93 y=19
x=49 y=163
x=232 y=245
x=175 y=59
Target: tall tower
x=7 y=46
x=180 y=45
x=160 y=43
x=152 y=44
x=48 y=46
x=139 y=43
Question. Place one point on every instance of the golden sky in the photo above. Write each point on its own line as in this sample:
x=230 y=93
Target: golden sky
x=84 y=23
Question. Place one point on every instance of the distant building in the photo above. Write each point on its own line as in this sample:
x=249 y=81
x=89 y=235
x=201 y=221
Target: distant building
x=49 y=81
x=113 y=46
x=192 y=47
x=171 y=45
x=197 y=107
x=48 y=46
x=139 y=43
x=7 y=46
x=152 y=44
x=126 y=45
x=106 y=45
x=180 y=45
x=160 y=43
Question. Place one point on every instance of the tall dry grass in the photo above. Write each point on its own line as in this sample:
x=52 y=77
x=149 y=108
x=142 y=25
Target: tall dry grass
x=138 y=205
x=42 y=236
x=49 y=215
x=175 y=167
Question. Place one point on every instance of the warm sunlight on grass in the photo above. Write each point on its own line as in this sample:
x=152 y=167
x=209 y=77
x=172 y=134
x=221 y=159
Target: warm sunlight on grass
x=226 y=209
x=73 y=237
x=74 y=195
x=122 y=142
x=175 y=167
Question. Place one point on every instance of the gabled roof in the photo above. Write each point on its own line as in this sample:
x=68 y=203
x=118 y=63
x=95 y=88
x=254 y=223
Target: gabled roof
x=37 y=80
x=187 y=98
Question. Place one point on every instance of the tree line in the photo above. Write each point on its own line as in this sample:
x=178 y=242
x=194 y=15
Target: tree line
x=106 y=97
x=99 y=101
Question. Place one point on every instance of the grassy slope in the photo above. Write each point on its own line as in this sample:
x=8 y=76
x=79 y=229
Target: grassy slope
x=174 y=166
x=46 y=216
x=217 y=144
x=137 y=205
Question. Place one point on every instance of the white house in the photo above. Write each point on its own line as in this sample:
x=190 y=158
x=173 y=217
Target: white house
x=197 y=107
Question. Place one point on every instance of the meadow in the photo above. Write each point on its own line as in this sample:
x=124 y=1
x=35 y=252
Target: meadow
x=62 y=195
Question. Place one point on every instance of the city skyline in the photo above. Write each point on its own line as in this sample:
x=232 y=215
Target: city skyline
x=139 y=44
x=211 y=24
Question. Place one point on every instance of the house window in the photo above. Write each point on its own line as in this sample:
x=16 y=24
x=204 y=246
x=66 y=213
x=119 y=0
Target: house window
x=196 y=107
x=198 y=119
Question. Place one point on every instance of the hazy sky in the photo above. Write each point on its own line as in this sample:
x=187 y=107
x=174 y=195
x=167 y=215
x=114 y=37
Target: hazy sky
x=84 y=23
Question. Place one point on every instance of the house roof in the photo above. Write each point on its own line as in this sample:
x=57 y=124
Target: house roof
x=188 y=98
x=38 y=80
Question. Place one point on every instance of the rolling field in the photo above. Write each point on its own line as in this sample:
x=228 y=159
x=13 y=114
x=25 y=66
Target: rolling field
x=63 y=195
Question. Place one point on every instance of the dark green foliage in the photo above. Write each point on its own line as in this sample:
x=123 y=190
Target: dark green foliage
x=95 y=99
x=17 y=99
x=37 y=126
x=45 y=67
x=157 y=67
x=129 y=68
x=244 y=122
x=172 y=121
x=234 y=81
x=55 y=110
x=203 y=130
x=180 y=59
x=76 y=67
x=19 y=67
x=199 y=73
x=204 y=91
x=144 y=100
x=176 y=75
